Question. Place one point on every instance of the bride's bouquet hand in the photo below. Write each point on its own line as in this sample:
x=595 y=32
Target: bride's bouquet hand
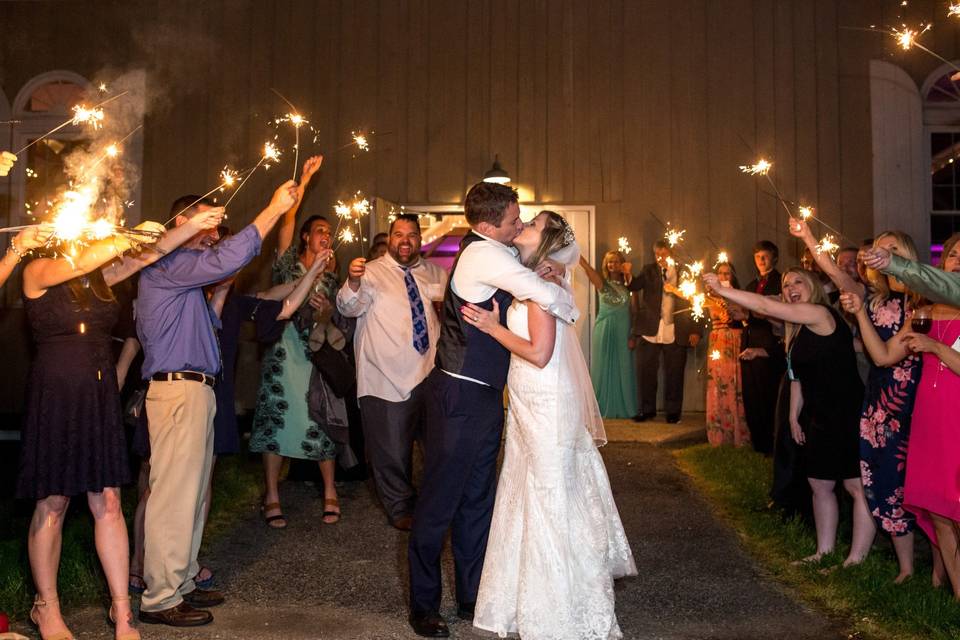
x=486 y=321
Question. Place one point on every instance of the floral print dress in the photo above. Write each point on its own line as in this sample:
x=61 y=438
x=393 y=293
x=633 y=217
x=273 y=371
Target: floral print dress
x=885 y=423
x=281 y=422
x=726 y=423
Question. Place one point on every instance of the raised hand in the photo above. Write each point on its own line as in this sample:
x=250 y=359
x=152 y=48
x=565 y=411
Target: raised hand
x=876 y=258
x=486 y=321
x=207 y=219
x=284 y=197
x=800 y=229
x=310 y=167
x=34 y=237
x=851 y=302
x=712 y=282
x=358 y=267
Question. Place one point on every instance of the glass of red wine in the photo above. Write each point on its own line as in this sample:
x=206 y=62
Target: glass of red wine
x=922 y=321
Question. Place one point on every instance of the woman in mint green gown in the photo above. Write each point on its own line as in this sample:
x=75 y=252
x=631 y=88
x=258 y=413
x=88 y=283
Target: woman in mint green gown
x=612 y=366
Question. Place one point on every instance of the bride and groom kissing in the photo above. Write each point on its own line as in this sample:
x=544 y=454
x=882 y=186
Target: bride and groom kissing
x=535 y=554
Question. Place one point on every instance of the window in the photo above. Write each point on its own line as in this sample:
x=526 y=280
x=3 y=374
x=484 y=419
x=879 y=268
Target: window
x=941 y=96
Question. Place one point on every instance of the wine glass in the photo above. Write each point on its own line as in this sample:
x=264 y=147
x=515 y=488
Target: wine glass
x=922 y=320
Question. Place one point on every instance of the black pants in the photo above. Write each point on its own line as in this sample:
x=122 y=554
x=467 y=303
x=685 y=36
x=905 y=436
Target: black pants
x=761 y=382
x=389 y=430
x=648 y=368
x=790 y=490
x=462 y=439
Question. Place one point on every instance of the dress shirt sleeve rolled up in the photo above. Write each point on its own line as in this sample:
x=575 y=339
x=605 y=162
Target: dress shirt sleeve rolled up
x=188 y=269
x=497 y=268
x=929 y=281
x=354 y=304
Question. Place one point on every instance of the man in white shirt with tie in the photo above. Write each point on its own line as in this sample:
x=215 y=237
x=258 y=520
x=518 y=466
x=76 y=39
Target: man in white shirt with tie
x=395 y=346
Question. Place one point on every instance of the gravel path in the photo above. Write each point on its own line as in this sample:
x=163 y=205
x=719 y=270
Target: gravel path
x=314 y=581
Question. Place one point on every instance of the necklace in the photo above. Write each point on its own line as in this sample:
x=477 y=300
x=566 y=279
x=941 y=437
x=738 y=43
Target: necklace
x=940 y=335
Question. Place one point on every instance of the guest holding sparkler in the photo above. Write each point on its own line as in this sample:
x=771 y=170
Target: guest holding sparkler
x=181 y=361
x=726 y=422
x=933 y=458
x=891 y=383
x=612 y=369
x=825 y=398
x=33 y=237
x=282 y=426
x=73 y=438
x=6 y=162
x=762 y=356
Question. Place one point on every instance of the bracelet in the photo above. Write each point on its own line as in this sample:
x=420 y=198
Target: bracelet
x=15 y=251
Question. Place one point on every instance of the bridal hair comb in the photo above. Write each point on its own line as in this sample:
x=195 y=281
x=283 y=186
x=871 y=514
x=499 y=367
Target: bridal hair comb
x=568 y=236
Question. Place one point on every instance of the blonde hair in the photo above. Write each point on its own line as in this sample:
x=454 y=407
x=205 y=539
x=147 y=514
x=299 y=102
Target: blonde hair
x=948 y=245
x=603 y=262
x=817 y=296
x=879 y=291
x=556 y=235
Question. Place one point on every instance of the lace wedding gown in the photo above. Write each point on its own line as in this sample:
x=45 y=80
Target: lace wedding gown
x=556 y=541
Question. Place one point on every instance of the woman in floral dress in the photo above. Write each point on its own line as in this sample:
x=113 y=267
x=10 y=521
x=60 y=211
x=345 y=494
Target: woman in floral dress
x=612 y=367
x=726 y=423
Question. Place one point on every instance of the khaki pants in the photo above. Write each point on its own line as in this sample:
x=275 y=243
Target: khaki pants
x=180 y=420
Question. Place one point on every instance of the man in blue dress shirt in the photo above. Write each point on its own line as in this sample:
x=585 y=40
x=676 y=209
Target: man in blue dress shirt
x=181 y=360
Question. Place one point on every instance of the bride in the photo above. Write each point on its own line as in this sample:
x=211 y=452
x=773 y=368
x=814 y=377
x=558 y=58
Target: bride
x=556 y=541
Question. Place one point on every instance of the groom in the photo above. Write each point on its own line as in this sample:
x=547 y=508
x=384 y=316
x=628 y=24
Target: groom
x=465 y=405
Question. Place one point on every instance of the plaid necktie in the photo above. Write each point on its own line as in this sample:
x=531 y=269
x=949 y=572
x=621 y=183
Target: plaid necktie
x=421 y=339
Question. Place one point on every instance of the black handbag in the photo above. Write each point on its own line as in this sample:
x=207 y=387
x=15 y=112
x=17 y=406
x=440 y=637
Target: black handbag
x=335 y=367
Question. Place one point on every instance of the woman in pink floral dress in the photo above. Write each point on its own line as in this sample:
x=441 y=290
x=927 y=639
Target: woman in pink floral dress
x=889 y=398
x=726 y=423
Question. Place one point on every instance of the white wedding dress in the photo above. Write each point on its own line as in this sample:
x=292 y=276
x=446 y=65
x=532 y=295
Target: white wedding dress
x=556 y=541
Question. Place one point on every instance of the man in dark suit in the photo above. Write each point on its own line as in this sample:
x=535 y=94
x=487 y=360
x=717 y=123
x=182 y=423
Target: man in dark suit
x=662 y=327
x=763 y=361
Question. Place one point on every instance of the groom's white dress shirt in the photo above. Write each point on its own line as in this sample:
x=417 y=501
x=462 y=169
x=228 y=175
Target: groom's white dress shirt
x=388 y=366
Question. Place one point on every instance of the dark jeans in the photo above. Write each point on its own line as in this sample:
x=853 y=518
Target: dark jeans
x=761 y=383
x=648 y=368
x=462 y=439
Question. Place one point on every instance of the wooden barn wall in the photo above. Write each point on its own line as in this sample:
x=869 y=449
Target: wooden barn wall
x=638 y=107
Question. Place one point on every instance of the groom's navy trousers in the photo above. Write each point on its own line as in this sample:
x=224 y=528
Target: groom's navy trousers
x=463 y=430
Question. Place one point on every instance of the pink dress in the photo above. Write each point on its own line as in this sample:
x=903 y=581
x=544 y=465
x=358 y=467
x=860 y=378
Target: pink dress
x=933 y=457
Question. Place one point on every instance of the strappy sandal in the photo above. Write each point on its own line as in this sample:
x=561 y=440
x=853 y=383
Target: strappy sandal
x=331 y=502
x=130 y=635
x=35 y=619
x=279 y=518
x=136 y=584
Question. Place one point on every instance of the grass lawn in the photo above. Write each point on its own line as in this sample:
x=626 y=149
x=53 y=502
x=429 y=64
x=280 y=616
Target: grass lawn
x=736 y=482
x=236 y=488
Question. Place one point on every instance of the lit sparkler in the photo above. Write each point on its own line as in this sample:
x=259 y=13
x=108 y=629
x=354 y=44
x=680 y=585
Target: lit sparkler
x=760 y=168
x=93 y=116
x=687 y=288
x=953 y=10
x=805 y=212
x=715 y=355
x=674 y=236
x=228 y=177
x=102 y=87
x=361 y=141
x=696 y=268
x=623 y=245
x=722 y=258
x=827 y=245
x=270 y=152
x=112 y=151
x=906 y=38
x=670 y=261
x=697 y=304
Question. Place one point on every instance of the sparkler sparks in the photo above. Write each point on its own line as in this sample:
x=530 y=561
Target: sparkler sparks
x=906 y=38
x=270 y=152
x=623 y=245
x=696 y=268
x=805 y=212
x=761 y=168
x=361 y=141
x=827 y=245
x=228 y=177
x=346 y=236
x=102 y=87
x=722 y=258
x=953 y=10
x=715 y=355
x=697 y=304
x=674 y=236
x=112 y=151
x=92 y=116
x=687 y=288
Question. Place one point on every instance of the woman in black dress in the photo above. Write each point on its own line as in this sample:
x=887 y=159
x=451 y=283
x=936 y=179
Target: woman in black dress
x=825 y=398
x=73 y=437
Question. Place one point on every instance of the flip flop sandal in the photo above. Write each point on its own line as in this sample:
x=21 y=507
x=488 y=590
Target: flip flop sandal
x=278 y=518
x=331 y=502
x=136 y=584
x=205 y=583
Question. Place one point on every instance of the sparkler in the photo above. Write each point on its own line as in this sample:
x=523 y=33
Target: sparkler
x=673 y=236
x=359 y=140
x=827 y=245
x=228 y=177
x=687 y=288
x=623 y=245
x=907 y=38
x=297 y=121
x=760 y=168
x=715 y=355
x=93 y=116
x=721 y=258
x=346 y=213
x=805 y=212
x=696 y=306
x=953 y=10
x=270 y=152
x=696 y=268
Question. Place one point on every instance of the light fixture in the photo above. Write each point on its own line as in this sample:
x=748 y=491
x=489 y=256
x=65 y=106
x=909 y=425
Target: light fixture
x=496 y=173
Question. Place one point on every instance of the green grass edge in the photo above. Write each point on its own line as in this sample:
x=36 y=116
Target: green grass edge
x=863 y=599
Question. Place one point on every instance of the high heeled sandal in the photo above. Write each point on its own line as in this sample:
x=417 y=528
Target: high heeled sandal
x=35 y=619
x=130 y=635
x=327 y=513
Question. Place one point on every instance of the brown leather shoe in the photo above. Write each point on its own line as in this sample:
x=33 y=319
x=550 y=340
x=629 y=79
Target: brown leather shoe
x=182 y=615
x=404 y=523
x=203 y=598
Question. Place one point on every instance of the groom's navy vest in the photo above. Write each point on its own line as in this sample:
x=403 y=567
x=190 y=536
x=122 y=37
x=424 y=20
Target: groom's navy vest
x=465 y=350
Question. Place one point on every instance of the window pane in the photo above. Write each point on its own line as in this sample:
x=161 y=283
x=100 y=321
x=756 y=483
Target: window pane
x=943 y=199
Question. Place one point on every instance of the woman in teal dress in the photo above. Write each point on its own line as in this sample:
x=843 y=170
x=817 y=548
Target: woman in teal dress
x=612 y=367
